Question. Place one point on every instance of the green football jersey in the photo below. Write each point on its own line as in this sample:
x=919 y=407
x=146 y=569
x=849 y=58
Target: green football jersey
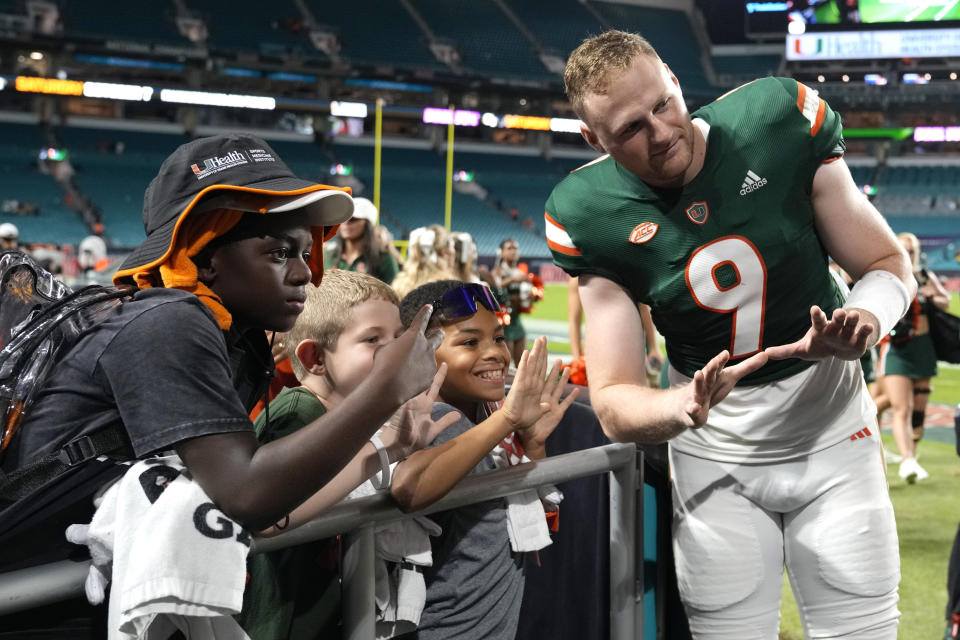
x=731 y=260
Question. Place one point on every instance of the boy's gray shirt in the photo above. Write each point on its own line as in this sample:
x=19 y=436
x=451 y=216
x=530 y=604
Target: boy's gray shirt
x=475 y=587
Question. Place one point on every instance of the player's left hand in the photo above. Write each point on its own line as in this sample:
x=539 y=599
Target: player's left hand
x=845 y=335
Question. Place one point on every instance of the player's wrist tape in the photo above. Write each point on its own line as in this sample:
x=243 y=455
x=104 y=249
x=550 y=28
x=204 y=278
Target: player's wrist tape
x=882 y=294
x=382 y=478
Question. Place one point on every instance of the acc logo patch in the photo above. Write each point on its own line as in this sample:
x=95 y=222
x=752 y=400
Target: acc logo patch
x=698 y=212
x=643 y=232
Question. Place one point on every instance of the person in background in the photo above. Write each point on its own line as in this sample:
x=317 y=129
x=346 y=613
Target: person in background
x=465 y=257
x=430 y=257
x=385 y=238
x=907 y=363
x=9 y=237
x=514 y=285
x=953 y=568
x=357 y=247
x=92 y=260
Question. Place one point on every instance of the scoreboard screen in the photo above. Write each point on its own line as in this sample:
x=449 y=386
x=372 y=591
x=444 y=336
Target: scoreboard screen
x=873 y=11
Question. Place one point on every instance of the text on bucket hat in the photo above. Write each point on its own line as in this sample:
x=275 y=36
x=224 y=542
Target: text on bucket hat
x=234 y=171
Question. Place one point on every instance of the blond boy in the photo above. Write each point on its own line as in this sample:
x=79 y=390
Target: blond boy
x=331 y=347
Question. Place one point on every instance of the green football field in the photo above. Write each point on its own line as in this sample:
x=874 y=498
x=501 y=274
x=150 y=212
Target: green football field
x=895 y=11
x=927 y=512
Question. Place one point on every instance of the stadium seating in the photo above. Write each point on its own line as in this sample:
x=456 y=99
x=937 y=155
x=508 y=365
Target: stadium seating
x=670 y=33
x=151 y=22
x=561 y=26
x=114 y=177
x=21 y=180
x=489 y=43
x=399 y=42
x=745 y=68
x=261 y=26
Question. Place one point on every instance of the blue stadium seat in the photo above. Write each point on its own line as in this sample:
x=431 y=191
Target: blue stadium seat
x=560 y=25
x=746 y=68
x=265 y=27
x=21 y=180
x=151 y=22
x=488 y=41
x=669 y=31
x=398 y=40
x=114 y=181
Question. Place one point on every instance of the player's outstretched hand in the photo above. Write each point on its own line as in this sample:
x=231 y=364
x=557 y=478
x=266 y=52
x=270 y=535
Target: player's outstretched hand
x=711 y=384
x=844 y=336
x=413 y=423
x=409 y=362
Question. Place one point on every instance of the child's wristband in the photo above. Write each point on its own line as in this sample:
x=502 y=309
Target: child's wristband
x=382 y=479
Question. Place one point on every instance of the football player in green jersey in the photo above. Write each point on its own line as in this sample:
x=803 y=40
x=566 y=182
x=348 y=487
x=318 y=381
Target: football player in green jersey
x=722 y=222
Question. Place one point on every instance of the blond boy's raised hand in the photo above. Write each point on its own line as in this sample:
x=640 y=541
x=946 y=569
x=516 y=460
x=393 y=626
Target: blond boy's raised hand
x=413 y=425
x=534 y=438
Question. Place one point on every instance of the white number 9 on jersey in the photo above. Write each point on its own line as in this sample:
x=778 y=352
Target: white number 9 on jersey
x=728 y=275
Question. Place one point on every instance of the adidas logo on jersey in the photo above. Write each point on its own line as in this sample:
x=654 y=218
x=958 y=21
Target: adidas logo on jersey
x=751 y=183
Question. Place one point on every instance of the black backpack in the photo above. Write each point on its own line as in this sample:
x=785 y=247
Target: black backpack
x=41 y=318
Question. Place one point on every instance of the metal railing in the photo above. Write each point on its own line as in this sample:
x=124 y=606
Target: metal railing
x=355 y=519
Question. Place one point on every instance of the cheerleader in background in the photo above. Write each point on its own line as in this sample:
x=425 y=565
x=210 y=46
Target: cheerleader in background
x=908 y=362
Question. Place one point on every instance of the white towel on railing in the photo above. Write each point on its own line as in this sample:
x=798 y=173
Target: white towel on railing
x=402 y=548
x=175 y=560
x=526 y=523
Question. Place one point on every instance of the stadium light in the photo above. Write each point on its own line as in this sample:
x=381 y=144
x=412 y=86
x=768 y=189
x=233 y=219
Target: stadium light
x=29 y=84
x=117 y=91
x=534 y=123
x=490 y=120
x=565 y=125
x=459 y=117
x=348 y=109
x=217 y=99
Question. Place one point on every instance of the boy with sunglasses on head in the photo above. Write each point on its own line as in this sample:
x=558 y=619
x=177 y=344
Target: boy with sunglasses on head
x=475 y=586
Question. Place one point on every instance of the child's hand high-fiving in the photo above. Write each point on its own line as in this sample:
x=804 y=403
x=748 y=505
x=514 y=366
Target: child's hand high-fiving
x=533 y=405
x=534 y=438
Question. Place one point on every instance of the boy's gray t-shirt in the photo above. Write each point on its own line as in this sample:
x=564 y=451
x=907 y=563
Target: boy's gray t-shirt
x=475 y=587
x=158 y=365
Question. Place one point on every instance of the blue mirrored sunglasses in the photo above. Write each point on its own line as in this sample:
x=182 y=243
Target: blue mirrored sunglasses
x=462 y=301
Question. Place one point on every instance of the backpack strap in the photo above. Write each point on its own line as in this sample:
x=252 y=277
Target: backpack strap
x=20 y=483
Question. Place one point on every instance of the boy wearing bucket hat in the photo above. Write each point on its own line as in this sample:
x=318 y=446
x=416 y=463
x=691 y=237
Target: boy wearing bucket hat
x=228 y=252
